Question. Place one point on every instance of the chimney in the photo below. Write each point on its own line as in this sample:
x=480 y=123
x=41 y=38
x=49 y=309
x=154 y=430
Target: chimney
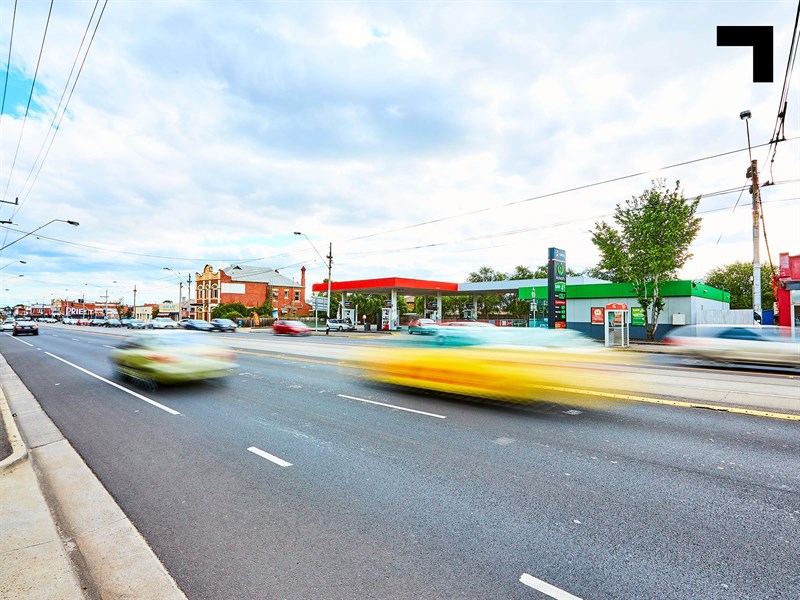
x=303 y=277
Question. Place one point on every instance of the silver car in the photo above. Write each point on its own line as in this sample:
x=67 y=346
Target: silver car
x=161 y=323
x=739 y=344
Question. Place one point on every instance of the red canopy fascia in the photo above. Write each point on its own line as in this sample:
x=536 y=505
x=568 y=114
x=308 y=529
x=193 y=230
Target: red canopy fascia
x=384 y=285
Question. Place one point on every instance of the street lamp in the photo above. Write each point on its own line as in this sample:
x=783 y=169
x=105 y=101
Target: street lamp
x=329 y=262
x=180 y=292
x=73 y=223
x=752 y=173
x=12 y=262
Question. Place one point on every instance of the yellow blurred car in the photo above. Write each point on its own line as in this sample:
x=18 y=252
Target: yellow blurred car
x=518 y=366
x=151 y=358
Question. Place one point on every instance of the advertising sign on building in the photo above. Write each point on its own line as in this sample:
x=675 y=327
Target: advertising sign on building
x=637 y=315
x=598 y=314
x=556 y=288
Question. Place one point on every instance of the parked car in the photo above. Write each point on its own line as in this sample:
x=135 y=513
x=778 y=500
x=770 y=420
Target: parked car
x=98 y=321
x=737 y=344
x=156 y=357
x=161 y=323
x=422 y=327
x=25 y=327
x=196 y=325
x=8 y=325
x=135 y=324
x=340 y=325
x=125 y=320
x=290 y=328
x=113 y=323
x=223 y=325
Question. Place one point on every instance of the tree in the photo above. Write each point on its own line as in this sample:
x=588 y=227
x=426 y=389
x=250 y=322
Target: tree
x=649 y=244
x=737 y=278
x=491 y=303
x=233 y=311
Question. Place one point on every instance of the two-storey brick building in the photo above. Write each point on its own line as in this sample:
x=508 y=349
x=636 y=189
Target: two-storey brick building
x=251 y=286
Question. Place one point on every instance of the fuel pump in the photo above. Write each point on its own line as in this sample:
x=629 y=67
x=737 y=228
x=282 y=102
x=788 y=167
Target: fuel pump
x=386 y=317
x=349 y=313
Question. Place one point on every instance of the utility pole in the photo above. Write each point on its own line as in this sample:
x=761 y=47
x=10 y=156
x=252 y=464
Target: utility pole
x=133 y=312
x=753 y=172
x=189 y=297
x=330 y=265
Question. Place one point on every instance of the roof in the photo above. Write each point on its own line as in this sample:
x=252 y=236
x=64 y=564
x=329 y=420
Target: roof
x=266 y=275
x=384 y=285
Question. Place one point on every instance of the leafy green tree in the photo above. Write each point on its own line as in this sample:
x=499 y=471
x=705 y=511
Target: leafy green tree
x=224 y=311
x=737 y=278
x=649 y=244
x=491 y=303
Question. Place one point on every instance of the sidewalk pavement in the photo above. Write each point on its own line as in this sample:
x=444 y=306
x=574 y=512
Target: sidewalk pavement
x=62 y=535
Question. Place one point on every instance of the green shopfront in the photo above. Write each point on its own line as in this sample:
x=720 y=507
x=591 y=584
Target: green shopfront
x=684 y=303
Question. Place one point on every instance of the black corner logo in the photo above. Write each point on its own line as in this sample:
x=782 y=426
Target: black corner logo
x=757 y=36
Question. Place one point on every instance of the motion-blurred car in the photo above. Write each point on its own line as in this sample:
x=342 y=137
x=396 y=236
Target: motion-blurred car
x=25 y=328
x=737 y=344
x=196 y=325
x=340 y=325
x=290 y=328
x=510 y=365
x=157 y=357
x=98 y=321
x=223 y=325
x=8 y=325
x=422 y=326
x=113 y=323
x=465 y=333
x=161 y=323
x=135 y=324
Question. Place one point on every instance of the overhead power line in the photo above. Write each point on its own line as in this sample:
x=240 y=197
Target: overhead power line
x=552 y=194
x=30 y=97
x=8 y=61
x=53 y=127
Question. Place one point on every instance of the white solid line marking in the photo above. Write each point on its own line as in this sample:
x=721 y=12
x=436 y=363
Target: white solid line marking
x=23 y=341
x=270 y=457
x=546 y=588
x=419 y=412
x=107 y=346
x=116 y=385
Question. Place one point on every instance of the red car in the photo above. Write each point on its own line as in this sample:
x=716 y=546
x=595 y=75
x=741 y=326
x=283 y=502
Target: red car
x=291 y=328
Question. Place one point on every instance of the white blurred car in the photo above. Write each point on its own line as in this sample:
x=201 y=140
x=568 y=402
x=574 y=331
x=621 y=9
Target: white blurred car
x=740 y=344
x=161 y=323
x=8 y=325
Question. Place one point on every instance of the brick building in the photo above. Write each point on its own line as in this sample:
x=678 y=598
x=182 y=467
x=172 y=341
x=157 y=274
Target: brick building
x=251 y=286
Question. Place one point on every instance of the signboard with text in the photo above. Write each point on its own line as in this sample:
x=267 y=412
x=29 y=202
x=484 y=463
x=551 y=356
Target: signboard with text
x=637 y=315
x=556 y=288
x=598 y=313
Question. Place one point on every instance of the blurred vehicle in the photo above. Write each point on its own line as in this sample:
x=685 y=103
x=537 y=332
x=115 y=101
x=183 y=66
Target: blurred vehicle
x=422 y=326
x=82 y=321
x=340 y=325
x=511 y=364
x=157 y=357
x=125 y=321
x=8 y=325
x=49 y=320
x=135 y=324
x=291 y=328
x=113 y=323
x=465 y=333
x=182 y=322
x=161 y=323
x=223 y=325
x=739 y=344
x=196 y=325
x=25 y=327
x=98 y=321
x=67 y=320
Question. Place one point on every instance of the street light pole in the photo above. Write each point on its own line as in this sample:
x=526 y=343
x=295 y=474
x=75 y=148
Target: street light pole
x=180 y=291
x=752 y=173
x=73 y=223
x=329 y=262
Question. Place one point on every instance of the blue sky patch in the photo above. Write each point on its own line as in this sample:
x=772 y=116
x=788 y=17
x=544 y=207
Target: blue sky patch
x=17 y=92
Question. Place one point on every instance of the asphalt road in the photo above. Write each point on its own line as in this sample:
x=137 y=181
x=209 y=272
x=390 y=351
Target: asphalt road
x=284 y=483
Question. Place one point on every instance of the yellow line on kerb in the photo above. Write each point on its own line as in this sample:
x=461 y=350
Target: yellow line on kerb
x=730 y=409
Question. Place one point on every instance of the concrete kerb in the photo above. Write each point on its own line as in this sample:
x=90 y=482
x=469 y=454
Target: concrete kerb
x=109 y=557
x=18 y=450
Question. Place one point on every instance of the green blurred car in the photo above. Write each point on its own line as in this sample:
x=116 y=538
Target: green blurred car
x=151 y=358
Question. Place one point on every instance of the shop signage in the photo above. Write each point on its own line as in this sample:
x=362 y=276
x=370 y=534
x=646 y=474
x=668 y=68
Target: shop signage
x=556 y=288
x=598 y=314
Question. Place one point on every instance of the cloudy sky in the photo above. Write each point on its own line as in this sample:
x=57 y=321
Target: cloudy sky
x=420 y=139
